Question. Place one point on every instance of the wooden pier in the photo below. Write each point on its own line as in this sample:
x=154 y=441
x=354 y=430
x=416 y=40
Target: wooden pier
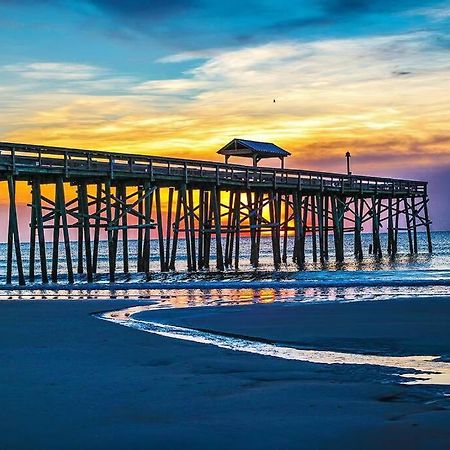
x=209 y=205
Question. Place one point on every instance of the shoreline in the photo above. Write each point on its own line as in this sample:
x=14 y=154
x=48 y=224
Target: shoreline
x=417 y=369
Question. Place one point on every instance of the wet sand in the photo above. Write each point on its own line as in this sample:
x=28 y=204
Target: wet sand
x=69 y=380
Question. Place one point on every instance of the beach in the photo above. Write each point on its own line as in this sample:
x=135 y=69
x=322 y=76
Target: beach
x=68 y=379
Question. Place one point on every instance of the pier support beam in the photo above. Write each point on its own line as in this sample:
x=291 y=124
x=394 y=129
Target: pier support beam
x=13 y=236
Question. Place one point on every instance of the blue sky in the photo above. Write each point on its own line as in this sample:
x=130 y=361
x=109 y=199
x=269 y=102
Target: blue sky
x=130 y=36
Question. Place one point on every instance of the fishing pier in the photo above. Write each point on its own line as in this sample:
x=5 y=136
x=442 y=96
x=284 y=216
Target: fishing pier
x=88 y=196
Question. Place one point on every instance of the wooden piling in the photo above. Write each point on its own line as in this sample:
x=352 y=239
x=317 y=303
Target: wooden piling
x=215 y=200
x=427 y=222
x=97 y=222
x=31 y=272
x=176 y=230
x=408 y=225
x=86 y=230
x=320 y=219
x=13 y=234
x=159 y=224
x=60 y=203
x=169 y=226
x=414 y=223
x=358 y=205
x=237 y=221
x=313 y=227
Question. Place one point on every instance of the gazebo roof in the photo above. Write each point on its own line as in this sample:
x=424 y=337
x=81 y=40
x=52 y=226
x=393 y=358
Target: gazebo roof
x=244 y=147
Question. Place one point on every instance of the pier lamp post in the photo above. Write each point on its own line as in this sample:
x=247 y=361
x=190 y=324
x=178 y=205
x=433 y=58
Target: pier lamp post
x=348 y=156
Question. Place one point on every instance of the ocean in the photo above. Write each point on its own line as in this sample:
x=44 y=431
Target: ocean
x=372 y=278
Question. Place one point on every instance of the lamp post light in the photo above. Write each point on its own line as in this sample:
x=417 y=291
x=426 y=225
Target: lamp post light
x=348 y=156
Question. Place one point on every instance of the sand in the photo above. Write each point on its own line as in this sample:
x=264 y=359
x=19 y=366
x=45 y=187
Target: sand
x=69 y=380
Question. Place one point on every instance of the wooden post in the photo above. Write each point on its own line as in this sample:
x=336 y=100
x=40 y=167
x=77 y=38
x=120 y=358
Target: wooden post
x=414 y=223
x=390 y=227
x=13 y=233
x=192 y=228
x=215 y=199
x=116 y=225
x=304 y=226
x=176 y=230
x=319 y=202
x=147 y=222
x=123 y=198
x=61 y=204
x=32 y=232
x=313 y=227
x=395 y=234
x=258 y=222
x=232 y=229
x=162 y=259
x=86 y=230
x=201 y=229
x=228 y=230
x=285 y=228
x=98 y=207
x=326 y=227
x=408 y=225
x=169 y=226
x=298 y=256
x=338 y=219
x=187 y=239
x=80 y=232
x=273 y=229
x=40 y=229
x=9 y=253
x=237 y=219
x=427 y=222
x=56 y=228
x=140 y=232
x=252 y=225
x=376 y=227
x=358 y=207
x=277 y=211
x=208 y=228
x=108 y=206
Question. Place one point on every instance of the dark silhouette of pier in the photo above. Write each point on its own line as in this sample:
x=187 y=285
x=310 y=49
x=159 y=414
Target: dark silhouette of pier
x=205 y=203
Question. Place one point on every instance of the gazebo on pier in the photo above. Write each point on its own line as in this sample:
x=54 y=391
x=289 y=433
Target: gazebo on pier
x=253 y=149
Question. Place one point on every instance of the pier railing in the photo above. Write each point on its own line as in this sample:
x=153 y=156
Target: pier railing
x=24 y=160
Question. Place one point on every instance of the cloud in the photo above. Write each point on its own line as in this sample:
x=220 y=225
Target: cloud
x=54 y=71
x=174 y=86
x=438 y=13
x=330 y=95
x=190 y=56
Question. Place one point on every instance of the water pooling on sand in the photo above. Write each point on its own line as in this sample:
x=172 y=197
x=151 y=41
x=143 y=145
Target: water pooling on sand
x=423 y=369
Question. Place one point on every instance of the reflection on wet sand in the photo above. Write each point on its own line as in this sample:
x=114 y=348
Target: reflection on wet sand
x=414 y=369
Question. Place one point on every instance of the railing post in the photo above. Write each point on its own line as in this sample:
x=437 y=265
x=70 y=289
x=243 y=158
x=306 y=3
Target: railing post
x=111 y=166
x=13 y=159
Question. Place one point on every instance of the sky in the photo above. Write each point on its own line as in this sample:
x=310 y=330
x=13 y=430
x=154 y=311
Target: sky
x=184 y=77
